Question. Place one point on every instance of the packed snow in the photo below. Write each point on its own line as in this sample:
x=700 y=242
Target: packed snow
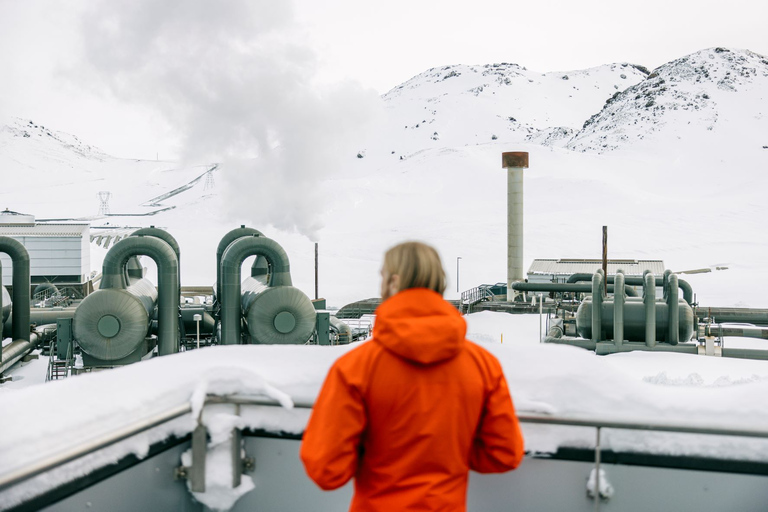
x=544 y=379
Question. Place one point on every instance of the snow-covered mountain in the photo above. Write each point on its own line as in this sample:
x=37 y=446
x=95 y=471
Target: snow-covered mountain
x=673 y=161
x=717 y=90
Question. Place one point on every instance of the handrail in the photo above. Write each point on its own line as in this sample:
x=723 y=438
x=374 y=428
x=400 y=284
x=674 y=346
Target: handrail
x=46 y=464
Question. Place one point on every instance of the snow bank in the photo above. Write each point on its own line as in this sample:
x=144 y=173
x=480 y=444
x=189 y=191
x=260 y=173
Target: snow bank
x=648 y=387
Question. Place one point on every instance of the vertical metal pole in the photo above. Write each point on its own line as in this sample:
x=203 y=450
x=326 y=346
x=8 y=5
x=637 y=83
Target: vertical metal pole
x=457 y=273
x=605 y=258
x=236 y=453
x=618 y=308
x=597 y=471
x=199 y=448
x=198 y=333
x=317 y=296
x=541 y=311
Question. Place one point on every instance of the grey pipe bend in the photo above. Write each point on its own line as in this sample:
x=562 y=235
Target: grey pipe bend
x=21 y=284
x=638 y=281
x=164 y=236
x=618 y=311
x=649 y=300
x=231 y=261
x=113 y=276
x=225 y=241
x=673 y=308
x=597 y=306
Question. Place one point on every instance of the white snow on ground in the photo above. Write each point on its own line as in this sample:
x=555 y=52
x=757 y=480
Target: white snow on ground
x=544 y=379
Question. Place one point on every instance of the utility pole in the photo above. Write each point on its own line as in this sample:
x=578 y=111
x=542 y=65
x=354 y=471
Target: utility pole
x=457 y=273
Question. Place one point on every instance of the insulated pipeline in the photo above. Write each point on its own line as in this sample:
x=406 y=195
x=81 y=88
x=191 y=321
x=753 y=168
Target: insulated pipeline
x=21 y=285
x=684 y=286
x=564 y=287
x=225 y=242
x=113 y=276
x=230 y=271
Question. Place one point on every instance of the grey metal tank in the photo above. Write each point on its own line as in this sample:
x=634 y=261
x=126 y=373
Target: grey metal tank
x=635 y=319
x=112 y=323
x=278 y=315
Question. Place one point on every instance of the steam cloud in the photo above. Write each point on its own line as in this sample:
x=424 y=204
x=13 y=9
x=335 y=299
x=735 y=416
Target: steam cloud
x=239 y=90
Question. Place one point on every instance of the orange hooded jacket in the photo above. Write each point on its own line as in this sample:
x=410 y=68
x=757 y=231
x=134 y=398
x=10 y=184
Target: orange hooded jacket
x=408 y=413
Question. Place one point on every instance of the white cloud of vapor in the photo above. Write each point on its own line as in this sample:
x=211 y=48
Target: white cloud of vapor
x=239 y=88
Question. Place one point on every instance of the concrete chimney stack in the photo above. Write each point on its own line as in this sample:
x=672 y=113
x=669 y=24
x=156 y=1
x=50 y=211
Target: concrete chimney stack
x=514 y=163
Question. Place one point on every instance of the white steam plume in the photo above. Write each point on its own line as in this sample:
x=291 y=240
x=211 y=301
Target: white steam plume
x=239 y=90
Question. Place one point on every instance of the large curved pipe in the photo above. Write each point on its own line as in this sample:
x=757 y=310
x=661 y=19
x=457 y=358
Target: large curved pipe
x=166 y=237
x=564 y=287
x=673 y=305
x=224 y=243
x=231 y=261
x=649 y=299
x=684 y=286
x=113 y=276
x=618 y=311
x=597 y=306
x=21 y=284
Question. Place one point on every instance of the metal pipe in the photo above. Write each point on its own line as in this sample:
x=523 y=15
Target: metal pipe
x=597 y=306
x=113 y=276
x=514 y=163
x=673 y=310
x=166 y=237
x=224 y=243
x=609 y=348
x=649 y=299
x=735 y=315
x=618 y=311
x=17 y=349
x=21 y=285
x=665 y=282
x=745 y=353
x=232 y=260
x=684 y=286
x=564 y=287
x=741 y=331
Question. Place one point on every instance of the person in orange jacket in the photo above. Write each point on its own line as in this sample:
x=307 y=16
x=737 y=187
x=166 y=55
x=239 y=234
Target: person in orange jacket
x=411 y=411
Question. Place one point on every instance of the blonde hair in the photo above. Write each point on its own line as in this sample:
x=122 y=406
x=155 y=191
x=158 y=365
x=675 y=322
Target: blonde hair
x=418 y=266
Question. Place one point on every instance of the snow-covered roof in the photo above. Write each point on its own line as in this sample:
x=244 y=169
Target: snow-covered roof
x=53 y=230
x=577 y=266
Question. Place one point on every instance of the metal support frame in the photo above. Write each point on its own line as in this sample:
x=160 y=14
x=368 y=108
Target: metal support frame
x=196 y=473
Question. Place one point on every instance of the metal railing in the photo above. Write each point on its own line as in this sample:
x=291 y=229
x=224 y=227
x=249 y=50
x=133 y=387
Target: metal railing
x=110 y=438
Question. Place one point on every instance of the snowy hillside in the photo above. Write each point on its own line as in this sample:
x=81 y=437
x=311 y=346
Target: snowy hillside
x=717 y=90
x=668 y=187
x=460 y=105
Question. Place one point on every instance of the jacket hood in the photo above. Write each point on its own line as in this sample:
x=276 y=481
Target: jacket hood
x=419 y=325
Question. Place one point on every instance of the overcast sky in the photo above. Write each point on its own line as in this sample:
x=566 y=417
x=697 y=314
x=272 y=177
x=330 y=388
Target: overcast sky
x=132 y=76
